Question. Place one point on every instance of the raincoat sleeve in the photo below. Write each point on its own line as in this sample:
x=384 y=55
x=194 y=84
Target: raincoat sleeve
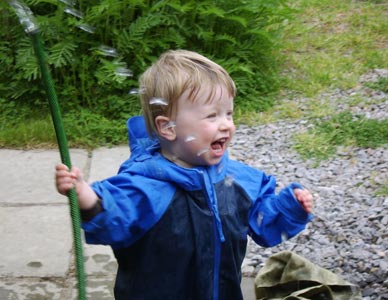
x=276 y=218
x=131 y=206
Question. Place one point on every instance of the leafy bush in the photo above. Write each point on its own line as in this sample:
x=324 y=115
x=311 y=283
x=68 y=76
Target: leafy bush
x=240 y=35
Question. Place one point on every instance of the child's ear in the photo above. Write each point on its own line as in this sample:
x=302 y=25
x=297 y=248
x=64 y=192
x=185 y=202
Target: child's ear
x=165 y=128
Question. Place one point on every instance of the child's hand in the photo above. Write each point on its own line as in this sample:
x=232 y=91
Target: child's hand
x=65 y=180
x=305 y=199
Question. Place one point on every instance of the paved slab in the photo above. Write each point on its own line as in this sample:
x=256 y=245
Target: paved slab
x=105 y=162
x=35 y=241
x=27 y=177
x=37 y=258
x=248 y=288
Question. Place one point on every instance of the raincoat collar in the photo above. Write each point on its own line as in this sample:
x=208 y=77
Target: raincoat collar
x=152 y=164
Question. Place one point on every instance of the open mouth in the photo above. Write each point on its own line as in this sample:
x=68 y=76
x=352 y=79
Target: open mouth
x=218 y=146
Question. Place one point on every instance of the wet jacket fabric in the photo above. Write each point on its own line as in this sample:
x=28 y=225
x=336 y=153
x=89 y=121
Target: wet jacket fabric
x=181 y=233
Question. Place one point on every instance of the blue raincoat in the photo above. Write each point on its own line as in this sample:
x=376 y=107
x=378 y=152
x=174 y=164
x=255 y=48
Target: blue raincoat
x=181 y=233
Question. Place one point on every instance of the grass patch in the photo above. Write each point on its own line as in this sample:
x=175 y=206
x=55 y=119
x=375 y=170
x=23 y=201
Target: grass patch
x=330 y=44
x=84 y=129
x=380 y=85
x=383 y=190
x=89 y=130
x=28 y=134
x=320 y=142
x=311 y=145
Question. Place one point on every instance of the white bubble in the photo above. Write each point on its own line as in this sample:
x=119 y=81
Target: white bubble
x=25 y=15
x=87 y=28
x=68 y=2
x=203 y=151
x=74 y=12
x=190 y=138
x=355 y=289
x=170 y=124
x=121 y=71
x=158 y=101
x=107 y=51
x=260 y=218
x=323 y=296
x=284 y=236
x=229 y=180
x=136 y=91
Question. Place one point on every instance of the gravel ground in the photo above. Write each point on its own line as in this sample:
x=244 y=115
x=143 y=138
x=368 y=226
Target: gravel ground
x=349 y=234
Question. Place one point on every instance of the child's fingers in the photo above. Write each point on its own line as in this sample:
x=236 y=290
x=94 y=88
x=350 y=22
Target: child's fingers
x=61 y=167
x=64 y=179
x=63 y=171
x=76 y=174
x=307 y=205
x=305 y=199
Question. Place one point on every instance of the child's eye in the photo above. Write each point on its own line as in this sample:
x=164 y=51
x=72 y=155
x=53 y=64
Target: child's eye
x=211 y=116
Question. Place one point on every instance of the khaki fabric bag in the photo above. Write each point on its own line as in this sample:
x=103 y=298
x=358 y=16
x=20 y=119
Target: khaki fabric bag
x=288 y=276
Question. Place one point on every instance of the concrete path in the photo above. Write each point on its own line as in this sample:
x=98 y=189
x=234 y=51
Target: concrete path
x=36 y=253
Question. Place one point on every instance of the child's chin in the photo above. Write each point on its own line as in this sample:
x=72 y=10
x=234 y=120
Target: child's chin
x=214 y=161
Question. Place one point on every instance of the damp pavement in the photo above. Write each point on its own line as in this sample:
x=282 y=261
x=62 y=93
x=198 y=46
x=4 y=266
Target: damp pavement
x=37 y=257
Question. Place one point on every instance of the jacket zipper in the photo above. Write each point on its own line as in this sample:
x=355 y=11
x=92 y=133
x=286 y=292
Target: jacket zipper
x=218 y=234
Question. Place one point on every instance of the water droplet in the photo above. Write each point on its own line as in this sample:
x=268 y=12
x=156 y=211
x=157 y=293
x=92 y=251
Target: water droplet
x=229 y=180
x=190 y=138
x=158 y=101
x=203 y=151
x=87 y=28
x=121 y=71
x=323 y=296
x=355 y=289
x=68 y=2
x=25 y=15
x=35 y=264
x=74 y=12
x=101 y=258
x=284 y=236
x=159 y=172
x=136 y=91
x=260 y=218
x=169 y=125
x=107 y=51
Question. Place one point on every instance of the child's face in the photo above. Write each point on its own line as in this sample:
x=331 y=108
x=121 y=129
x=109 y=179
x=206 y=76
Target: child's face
x=203 y=128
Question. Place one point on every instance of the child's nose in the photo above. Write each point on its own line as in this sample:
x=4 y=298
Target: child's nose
x=226 y=124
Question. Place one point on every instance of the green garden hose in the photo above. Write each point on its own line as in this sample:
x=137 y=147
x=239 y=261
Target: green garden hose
x=26 y=18
x=65 y=158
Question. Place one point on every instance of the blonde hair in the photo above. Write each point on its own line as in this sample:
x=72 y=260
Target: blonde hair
x=175 y=72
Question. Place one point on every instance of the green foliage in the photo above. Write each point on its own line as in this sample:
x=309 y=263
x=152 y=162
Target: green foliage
x=243 y=36
x=321 y=141
x=380 y=85
x=383 y=190
x=346 y=129
x=330 y=44
x=89 y=130
x=23 y=127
